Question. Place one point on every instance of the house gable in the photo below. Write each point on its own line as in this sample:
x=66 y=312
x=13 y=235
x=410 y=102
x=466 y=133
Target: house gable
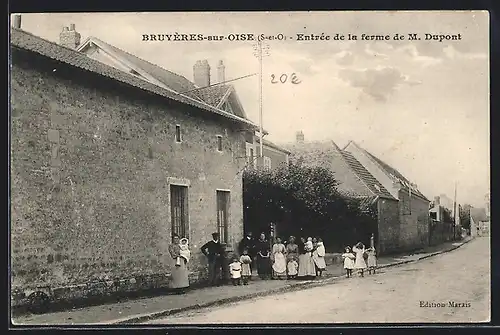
x=100 y=51
x=376 y=171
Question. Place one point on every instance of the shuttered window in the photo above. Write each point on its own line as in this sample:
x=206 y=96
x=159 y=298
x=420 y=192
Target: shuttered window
x=179 y=210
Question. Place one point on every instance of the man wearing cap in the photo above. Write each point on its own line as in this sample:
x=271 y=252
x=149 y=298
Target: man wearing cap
x=214 y=251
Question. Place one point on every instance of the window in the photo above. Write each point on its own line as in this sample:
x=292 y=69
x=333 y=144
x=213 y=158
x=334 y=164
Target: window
x=267 y=162
x=178 y=133
x=219 y=143
x=223 y=214
x=179 y=210
x=250 y=157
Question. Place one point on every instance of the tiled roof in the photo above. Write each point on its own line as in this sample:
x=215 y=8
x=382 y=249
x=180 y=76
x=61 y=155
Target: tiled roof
x=389 y=170
x=272 y=145
x=478 y=214
x=373 y=184
x=211 y=95
x=27 y=41
x=328 y=155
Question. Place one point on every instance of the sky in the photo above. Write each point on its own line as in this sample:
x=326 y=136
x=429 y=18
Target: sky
x=421 y=106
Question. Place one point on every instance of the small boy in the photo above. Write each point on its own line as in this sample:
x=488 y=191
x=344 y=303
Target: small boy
x=235 y=271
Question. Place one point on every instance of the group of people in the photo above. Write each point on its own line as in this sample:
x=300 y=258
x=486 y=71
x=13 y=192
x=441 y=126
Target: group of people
x=359 y=258
x=302 y=260
x=277 y=260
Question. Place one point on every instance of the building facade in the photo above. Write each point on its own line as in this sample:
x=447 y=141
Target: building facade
x=105 y=167
x=273 y=156
x=413 y=213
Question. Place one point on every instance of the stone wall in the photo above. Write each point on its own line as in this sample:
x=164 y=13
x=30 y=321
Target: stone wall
x=414 y=218
x=388 y=226
x=92 y=162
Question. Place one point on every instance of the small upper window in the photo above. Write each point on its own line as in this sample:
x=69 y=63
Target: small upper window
x=178 y=133
x=219 y=143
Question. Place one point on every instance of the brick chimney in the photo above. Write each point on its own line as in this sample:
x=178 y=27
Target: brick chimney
x=17 y=21
x=221 y=72
x=201 y=73
x=437 y=201
x=299 y=137
x=69 y=37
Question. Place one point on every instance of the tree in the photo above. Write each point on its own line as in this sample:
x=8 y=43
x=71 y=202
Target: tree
x=304 y=201
x=464 y=212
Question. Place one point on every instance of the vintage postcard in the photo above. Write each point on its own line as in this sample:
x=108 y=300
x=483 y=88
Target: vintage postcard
x=250 y=168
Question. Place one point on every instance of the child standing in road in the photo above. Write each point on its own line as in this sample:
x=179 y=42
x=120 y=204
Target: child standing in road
x=359 y=263
x=372 y=260
x=348 y=257
x=292 y=268
x=235 y=271
x=246 y=271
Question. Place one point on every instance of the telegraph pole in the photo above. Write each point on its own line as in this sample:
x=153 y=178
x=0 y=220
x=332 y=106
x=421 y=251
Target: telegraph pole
x=260 y=49
x=260 y=97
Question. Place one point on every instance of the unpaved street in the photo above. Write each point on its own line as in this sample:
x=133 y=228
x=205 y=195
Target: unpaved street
x=408 y=293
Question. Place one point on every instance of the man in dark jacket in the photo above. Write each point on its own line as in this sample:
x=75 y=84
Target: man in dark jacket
x=247 y=243
x=214 y=251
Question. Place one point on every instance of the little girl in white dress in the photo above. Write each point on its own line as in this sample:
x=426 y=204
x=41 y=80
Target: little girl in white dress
x=348 y=257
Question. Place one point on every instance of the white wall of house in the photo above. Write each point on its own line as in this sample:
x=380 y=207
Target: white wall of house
x=374 y=169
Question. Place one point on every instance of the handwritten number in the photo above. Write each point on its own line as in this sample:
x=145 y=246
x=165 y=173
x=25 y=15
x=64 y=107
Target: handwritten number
x=284 y=78
x=295 y=79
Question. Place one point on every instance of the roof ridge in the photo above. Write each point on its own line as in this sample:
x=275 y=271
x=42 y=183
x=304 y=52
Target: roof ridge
x=44 y=39
x=98 y=67
x=350 y=167
x=142 y=59
x=381 y=164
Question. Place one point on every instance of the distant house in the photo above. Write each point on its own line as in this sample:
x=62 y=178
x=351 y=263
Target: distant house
x=355 y=182
x=273 y=155
x=441 y=228
x=479 y=222
x=413 y=205
x=107 y=162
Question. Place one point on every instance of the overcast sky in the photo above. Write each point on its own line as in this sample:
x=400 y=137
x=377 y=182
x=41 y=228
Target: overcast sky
x=421 y=106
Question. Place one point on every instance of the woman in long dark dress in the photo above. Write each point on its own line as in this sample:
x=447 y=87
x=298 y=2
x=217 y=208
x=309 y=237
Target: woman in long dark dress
x=264 y=266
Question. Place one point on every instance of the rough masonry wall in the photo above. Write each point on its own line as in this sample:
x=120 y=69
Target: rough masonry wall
x=388 y=226
x=414 y=222
x=91 y=164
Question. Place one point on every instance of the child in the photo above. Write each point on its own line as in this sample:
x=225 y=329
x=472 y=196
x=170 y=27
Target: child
x=309 y=246
x=292 y=268
x=348 y=261
x=359 y=263
x=184 y=252
x=235 y=271
x=246 y=271
x=319 y=257
x=372 y=260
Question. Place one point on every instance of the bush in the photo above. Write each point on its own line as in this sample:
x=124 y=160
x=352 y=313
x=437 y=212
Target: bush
x=304 y=201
